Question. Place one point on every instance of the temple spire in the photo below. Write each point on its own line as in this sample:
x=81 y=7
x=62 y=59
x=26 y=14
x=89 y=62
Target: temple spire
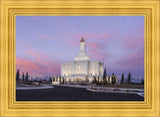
x=82 y=40
x=82 y=55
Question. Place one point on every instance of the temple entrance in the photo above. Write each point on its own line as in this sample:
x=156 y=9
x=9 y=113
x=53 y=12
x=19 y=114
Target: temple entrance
x=77 y=80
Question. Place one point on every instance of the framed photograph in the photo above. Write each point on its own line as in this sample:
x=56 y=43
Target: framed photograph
x=79 y=58
x=89 y=62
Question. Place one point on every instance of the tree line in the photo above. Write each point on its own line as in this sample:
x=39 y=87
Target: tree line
x=113 y=78
x=24 y=77
x=95 y=81
x=128 y=79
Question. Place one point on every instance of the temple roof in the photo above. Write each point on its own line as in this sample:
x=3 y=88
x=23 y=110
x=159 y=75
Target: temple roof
x=82 y=40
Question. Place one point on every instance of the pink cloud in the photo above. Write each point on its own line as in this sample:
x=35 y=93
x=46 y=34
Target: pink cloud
x=133 y=61
x=74 y=43
x=41 y=64
x=95 y=45
x=96 y=54
x=38 y=66
x=98 y=37
x=36 y=54
x=88 y=44
x=26 y=65
x=92 y=40
x=132 y=41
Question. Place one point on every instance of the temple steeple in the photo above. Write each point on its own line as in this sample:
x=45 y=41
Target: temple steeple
x=82 y=46
x=82 y=55
x=82 y=40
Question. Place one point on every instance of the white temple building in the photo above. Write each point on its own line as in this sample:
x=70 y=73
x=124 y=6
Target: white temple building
x=82 y=69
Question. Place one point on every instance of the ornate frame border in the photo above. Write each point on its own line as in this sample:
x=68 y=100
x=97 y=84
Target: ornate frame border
x=9 y=9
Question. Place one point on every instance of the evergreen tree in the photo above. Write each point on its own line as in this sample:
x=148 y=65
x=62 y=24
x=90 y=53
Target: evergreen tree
x=129 y=78
x=23 y=77
x=50 y=80
x=36 y=79
x=104 y=77
x=57 y=78
x=122 y=79
x=53 y=78
x=113 y=79
x=142 y=81
x=63 y=80
x=17 y=75
x=98 y=81
x=94 y=80
x=60 y=80
x=26 y=77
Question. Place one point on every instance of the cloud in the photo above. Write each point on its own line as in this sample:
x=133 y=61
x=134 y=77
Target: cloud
x=134 y=39
x=73 y=43
x=133 y=42
x=91 y=40
x=134 y=61
x=46 y=37
x=97 y=37
x=95 y=45
x=41 y=64
x=30 y=66
x=38 y=66
x=36 y=54
x=96 y=54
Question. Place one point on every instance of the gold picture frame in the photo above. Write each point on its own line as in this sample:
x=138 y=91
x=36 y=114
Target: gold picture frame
x=9 y=107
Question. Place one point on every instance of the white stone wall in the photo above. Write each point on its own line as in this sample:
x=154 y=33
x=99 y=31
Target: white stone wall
x=66 y=69
x=101 y=68
x=82 y=67
x=94 y=68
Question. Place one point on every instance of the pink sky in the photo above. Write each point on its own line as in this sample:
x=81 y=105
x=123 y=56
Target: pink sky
x=44 y=42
